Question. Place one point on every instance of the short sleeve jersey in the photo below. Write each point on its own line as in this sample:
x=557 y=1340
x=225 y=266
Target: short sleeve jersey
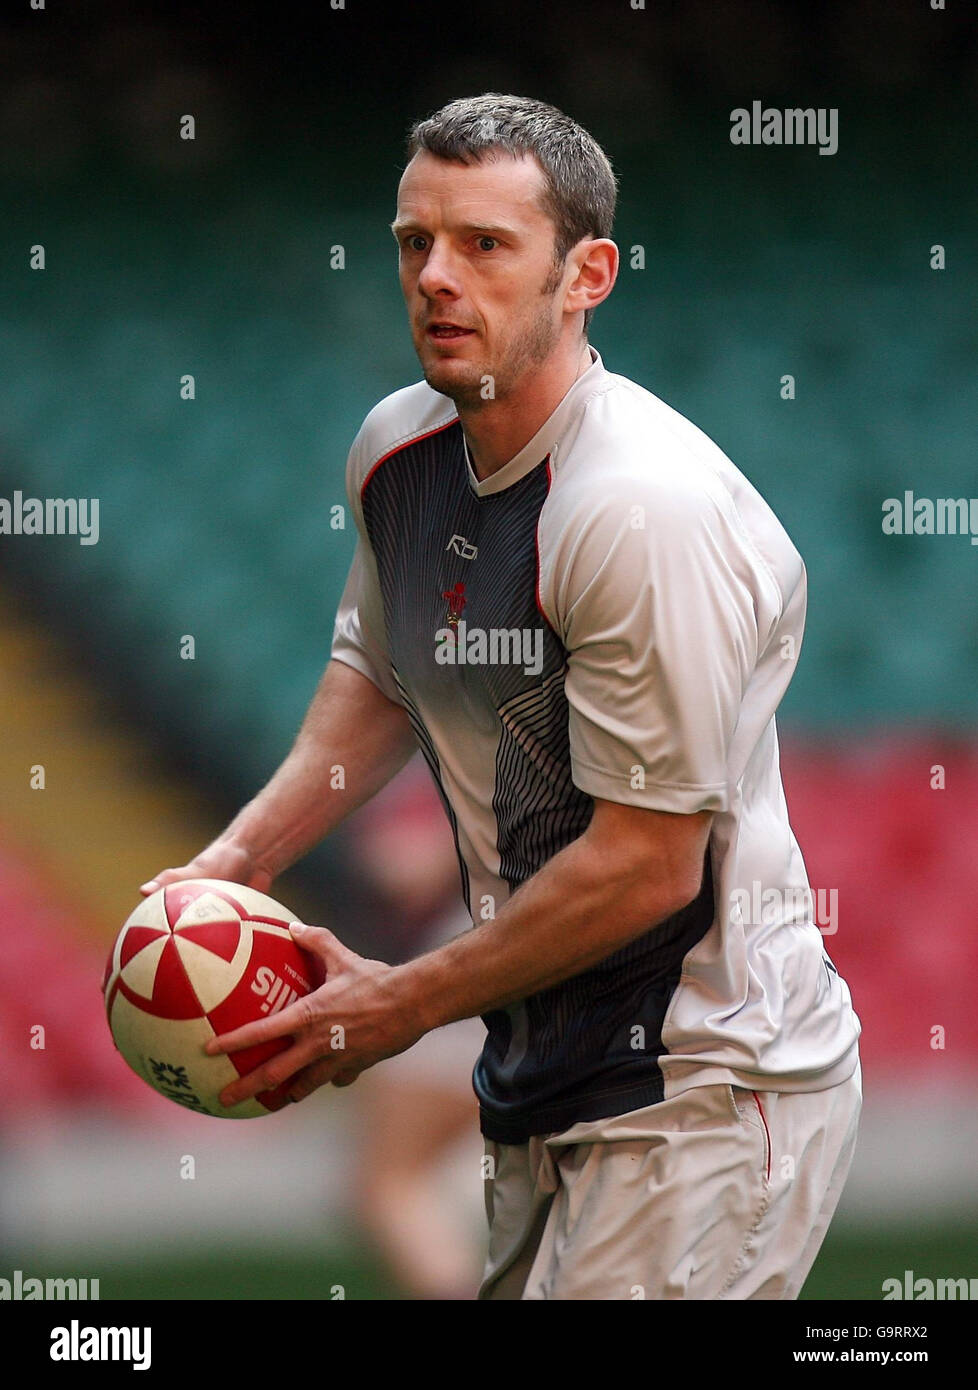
x=615 y=613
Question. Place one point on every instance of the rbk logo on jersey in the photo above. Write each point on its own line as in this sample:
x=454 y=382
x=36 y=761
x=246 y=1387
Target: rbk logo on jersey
x=462 y=547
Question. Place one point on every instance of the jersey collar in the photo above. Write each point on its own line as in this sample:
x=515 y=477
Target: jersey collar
x=545 y=439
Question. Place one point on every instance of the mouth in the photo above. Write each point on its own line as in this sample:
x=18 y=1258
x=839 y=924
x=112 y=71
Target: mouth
x=447 y=332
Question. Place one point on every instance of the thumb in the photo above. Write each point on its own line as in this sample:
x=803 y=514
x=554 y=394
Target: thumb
x=320 y=942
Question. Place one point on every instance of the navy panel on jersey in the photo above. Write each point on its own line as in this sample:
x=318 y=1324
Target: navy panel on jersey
x=454 y=563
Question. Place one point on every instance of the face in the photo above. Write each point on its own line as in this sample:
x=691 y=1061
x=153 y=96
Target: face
x=476 y=257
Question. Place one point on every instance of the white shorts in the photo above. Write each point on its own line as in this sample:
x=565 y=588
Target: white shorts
x=718 y=1193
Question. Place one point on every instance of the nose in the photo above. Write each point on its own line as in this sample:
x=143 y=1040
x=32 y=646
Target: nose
x=438 y=275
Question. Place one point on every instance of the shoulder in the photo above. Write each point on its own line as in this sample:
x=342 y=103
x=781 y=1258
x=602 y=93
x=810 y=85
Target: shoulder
x=405 y=415
x=634 y=464
x=629 y=442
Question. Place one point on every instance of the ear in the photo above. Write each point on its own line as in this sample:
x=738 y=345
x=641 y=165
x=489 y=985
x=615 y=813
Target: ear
x=594 y=263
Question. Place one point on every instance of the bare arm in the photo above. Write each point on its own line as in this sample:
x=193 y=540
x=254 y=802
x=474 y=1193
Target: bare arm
x=630 y=870
x=351 y=725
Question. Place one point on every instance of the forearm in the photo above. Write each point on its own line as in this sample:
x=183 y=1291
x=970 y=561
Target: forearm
x=586 y=902
x=629 y=871
x=353 y=740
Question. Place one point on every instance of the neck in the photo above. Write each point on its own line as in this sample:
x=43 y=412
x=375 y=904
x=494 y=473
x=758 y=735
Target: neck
x=496 y=430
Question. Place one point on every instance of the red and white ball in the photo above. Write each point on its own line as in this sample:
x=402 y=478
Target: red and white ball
x=197 y=959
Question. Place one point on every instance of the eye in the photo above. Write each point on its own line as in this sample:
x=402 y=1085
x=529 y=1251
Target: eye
x=482 y=243
x=414 y=242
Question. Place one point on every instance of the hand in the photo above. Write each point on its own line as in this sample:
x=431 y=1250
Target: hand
x=357 y=1018
x=224 y=859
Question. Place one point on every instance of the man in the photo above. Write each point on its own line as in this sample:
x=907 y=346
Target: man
x=586 y=617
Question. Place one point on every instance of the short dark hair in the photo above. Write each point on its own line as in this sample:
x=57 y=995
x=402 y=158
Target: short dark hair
x=581 y=188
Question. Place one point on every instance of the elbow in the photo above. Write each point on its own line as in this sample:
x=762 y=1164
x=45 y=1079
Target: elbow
x=658 y=859
x=688 y=887
x=663 y=899
x=660 y=895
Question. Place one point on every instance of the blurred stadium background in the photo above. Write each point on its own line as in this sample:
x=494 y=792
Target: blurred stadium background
x=217 y=257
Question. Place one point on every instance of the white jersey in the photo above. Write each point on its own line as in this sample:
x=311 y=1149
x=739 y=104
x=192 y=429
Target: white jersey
x=616 y=613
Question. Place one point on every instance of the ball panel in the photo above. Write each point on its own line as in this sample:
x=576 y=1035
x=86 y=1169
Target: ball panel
x=134 y=940
x=222 y=938
x=139 y=970
x=260 y=907
x=173 y=993
x=214 y=975
x=278 y=973
x=148 y=913
x=269 y=928
x=170 y=1057
x=187 y=904
x=165 y=1053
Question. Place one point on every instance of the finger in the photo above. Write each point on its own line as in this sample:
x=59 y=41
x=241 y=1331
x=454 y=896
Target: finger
x=164 y=879
x=322 y=1073
x=282 y=1025
x=321 y=942
x=153 y=885
x=347 y=1078
x=268 y=1077
x=310 y=1078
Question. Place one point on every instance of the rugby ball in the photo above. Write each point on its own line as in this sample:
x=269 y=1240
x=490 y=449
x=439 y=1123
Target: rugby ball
x=194 y=960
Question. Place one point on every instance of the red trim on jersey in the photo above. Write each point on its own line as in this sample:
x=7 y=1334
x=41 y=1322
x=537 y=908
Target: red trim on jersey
x=406 y=445
x=766 y=1131
x=536 y=544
